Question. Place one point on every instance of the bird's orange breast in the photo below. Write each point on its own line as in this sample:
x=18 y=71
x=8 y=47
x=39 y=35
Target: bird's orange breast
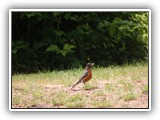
x=88 y=77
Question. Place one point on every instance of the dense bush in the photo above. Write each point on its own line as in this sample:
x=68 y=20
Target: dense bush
x=62 y=40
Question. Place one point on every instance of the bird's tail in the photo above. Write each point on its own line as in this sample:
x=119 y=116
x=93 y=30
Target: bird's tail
x=75 y=84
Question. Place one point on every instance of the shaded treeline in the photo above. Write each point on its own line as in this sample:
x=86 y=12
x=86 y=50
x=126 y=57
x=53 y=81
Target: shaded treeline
x=62 y=40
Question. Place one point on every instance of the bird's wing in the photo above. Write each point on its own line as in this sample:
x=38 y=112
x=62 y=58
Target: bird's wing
x=84 y=75
x=80 y=80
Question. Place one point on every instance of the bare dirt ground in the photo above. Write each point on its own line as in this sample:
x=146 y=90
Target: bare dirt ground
x=116 y=100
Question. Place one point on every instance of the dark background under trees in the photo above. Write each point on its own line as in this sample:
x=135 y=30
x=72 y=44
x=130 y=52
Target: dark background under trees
x=64 y=40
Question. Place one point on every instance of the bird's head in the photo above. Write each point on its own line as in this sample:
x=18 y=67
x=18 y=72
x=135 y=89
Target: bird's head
x=89 y=65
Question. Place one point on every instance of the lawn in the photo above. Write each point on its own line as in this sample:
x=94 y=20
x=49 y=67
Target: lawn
x=111 y=87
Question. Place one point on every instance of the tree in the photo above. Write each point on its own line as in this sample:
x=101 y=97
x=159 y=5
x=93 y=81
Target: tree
x=62 y=40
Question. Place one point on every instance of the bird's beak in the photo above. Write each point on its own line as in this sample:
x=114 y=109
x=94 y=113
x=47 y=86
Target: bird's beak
x=92 y=64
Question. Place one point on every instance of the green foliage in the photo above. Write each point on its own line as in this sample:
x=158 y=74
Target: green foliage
x=17 y=46
x=61 y=40
x=53 y=48
x=67 y=48
x=32 y=14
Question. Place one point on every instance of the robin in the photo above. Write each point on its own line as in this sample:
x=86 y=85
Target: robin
x=86 y=76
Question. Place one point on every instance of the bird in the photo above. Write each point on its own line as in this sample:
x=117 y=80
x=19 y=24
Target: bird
x=86 y=76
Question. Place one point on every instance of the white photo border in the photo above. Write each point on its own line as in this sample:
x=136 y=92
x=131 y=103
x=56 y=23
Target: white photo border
x=77 y=109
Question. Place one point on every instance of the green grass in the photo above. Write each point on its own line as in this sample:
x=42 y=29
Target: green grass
x=130 y=96
x=89 y=86
x=77 y=104
x=59 y=98
x=108 y=87
x=76 y=101
x=102 y=103
x=99 y=93
x=145 y=89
